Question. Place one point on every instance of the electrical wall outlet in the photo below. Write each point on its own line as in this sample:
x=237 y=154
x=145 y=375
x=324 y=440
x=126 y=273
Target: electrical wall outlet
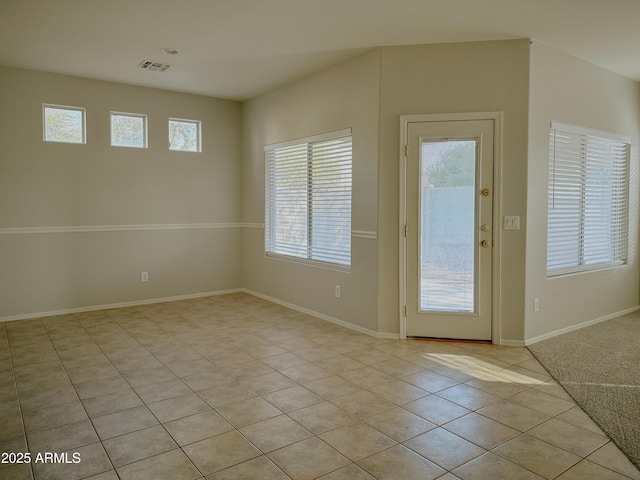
x=337 y=291
x=144 y=277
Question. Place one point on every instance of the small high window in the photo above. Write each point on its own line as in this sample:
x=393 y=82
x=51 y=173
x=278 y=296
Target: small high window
x=128 y=130
x=63 y=124
x=185 y=135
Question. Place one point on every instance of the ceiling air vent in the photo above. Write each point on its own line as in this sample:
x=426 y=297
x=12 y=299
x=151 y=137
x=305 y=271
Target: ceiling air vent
x=154 y=66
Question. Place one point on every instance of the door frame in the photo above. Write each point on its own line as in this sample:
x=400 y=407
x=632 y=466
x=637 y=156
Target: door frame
x=405 y=121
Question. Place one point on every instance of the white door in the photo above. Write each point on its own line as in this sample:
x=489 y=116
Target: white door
x=449 y=229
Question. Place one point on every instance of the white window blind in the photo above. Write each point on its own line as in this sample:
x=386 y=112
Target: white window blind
x=308 y=198
x=588 y=200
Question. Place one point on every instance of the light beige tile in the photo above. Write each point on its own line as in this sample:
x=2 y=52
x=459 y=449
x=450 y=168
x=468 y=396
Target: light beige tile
x=468 y=397
x=56 y=416
x=197 y=427
x=102 y=386
x=357 y=440
x=275 y=433
x=291 y=399
x=350 y=472
x=398 y=392
x=435 y=409
x=12 y=445
x=258 y=468
x=221 y=451
x=399 y=462
x=271 y=382
x=576 y=416
x=283 y=360
x=111 y=402
x=162 y=391
x=65 y=437
x=93 y=461
x=537 y=456
x=182 y=368
x=308 y=459
x=178 y=407
x=362 y=404
x=304 y=373
x=248 y=411
x=332 y=387
x=125 y=421
x=365 y=377
x=11 y=426
x=396 y=367
x=138 y=445
x=481 y=430
x=322 y=417
x=368 y=356
x=148 y=376
x=174 y=465
x=242 y=371
x=611 y=457
x=541 y=402
x=491 y=466
x=495 y=385
x=226 y=394
x=339 y=363
x=399 y=424
x=430 y=381
x=568 y=437
x=444 y=448
x=21 y=471
x=513 y=415
x=586 y=470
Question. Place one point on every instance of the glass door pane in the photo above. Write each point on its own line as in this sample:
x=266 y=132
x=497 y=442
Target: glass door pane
x=447 y=226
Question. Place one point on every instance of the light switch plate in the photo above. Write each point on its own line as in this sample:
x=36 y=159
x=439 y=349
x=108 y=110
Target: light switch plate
x=511 y=222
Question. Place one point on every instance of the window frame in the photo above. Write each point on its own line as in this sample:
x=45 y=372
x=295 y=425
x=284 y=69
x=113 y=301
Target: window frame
x=271 y=230
x=52 y=106
x=572 y=164
x=145 y=127
x=197 y=123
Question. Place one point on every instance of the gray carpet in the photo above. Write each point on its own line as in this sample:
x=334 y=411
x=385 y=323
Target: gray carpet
x=599 y=366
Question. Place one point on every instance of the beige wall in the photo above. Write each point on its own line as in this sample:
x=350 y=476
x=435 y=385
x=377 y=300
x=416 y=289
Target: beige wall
x=345 y=96
x=456 y=78
x=569 y=90
x=49 y=185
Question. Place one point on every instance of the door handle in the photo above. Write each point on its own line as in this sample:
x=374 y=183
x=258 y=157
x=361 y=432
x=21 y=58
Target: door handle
x=484 y=244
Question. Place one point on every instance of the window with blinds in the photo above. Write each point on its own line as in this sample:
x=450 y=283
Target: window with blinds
x=588 y=200
x=308 y=199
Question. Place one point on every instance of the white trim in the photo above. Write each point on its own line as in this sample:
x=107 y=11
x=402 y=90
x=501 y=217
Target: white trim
x=121 y=228
x=10 y=318
x=405 y=120
x=253 y=225
x=342 y=323
x=364 y=234
x=616 y=137
x=512 y=343
x=588 y=323
x=312 y=139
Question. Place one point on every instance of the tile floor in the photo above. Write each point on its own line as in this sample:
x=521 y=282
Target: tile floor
x=235 y=387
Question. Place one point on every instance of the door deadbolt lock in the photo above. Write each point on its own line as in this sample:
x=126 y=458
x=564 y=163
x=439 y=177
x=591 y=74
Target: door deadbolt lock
x=485 y=192
x=484 y=228
x=484 y=244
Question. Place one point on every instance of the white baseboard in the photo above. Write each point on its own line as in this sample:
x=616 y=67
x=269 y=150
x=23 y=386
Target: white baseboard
x=511 y=343
x=92 y=308
x=555 y=333
x=391 y=336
